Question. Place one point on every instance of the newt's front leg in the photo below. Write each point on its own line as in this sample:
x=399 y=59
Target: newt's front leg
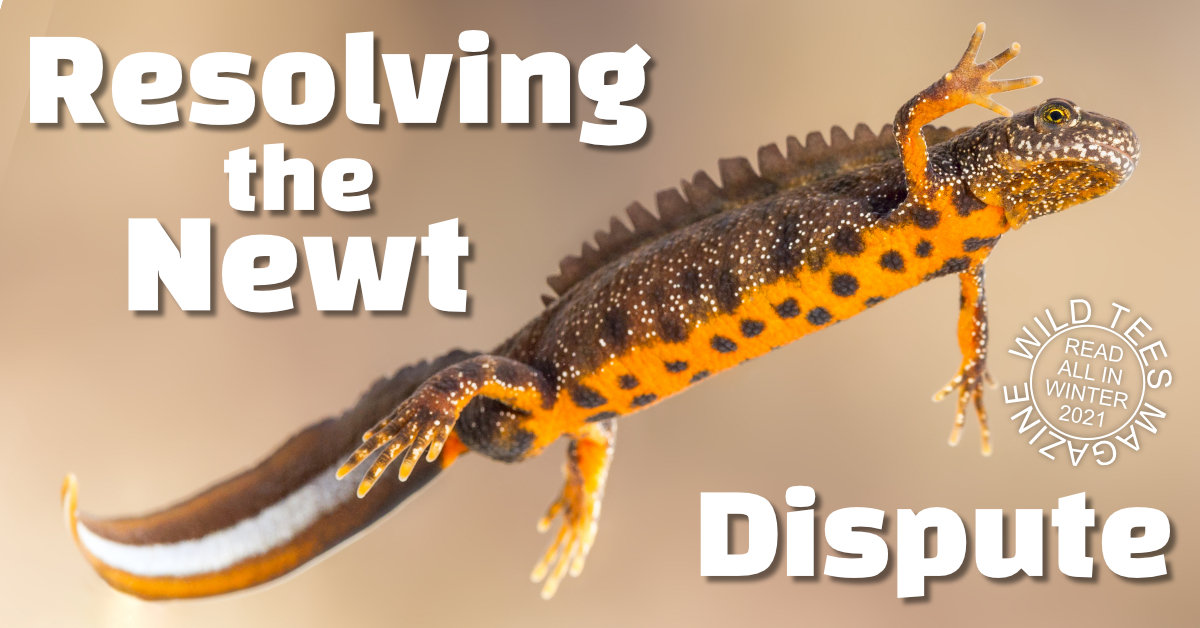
x=972 y=341
x=587 y=465
x=968 y=83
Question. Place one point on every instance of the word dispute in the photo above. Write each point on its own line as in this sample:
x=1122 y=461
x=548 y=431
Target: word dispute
x=1126 y=553
x=145 y=88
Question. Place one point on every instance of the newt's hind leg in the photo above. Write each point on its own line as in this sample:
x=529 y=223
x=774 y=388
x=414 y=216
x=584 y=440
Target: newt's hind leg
x=426 y=418
x=968 y=83
x=587 y=465
x=972 y=341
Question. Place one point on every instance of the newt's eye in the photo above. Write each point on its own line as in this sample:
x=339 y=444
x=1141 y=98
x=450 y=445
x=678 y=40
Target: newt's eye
x=1056 y=114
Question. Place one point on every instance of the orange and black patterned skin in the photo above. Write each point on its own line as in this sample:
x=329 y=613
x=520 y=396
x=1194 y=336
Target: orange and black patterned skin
x=724 y=276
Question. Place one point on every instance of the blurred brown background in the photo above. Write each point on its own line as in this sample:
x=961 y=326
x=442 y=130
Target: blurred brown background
x=149 y=409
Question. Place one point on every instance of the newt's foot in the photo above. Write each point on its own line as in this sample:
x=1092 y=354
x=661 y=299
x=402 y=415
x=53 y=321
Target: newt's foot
x=580 y=510
x=414 y=426
x=588 y=459
x=970 y=82
x=969 y=383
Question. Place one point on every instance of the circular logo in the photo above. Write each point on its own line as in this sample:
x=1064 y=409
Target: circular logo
x=1089 y=382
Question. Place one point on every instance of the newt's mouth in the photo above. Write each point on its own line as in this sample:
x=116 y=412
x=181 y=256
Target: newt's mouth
x=1124 y=155
x=1118 y=162
x=1090 y=151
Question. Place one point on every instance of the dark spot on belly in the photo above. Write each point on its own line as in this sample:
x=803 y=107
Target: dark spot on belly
x=723 y=345
x=848 y=242
x=676 y=367
x=924 y=248
x=844 y=285
x=782 y=255
x=690 y=282
x=951 y=266
x=974 y=244
x=642 y=400
x=628 y=382
x=892 y=260
x=967 y=203
x=672 y=329
x=698 y=376
x=587 y=398
x=614 y=328
x=926 y=218
x=788 y=309
x=819 y=316
x=727 y=290
x=873 y=301
x=752 y=328
x=884 y=202
x=601 y=416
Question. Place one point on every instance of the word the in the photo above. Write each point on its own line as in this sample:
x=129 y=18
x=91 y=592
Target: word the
x=340 y=193
x=843 y=532
x=209 y=77
x=185 y=270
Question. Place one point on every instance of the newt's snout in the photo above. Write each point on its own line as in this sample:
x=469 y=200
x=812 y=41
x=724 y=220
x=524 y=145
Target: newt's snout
x=1118 y=145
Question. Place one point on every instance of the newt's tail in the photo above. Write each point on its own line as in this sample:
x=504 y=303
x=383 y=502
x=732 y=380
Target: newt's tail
x=265 y=522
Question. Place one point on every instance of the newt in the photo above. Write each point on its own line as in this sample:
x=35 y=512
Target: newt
x=723 y=274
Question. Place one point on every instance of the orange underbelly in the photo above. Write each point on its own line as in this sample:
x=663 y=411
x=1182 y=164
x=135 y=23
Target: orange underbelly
x=772 y=315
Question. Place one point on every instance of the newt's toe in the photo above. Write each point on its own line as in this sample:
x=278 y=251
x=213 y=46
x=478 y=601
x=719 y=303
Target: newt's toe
x=969 y=385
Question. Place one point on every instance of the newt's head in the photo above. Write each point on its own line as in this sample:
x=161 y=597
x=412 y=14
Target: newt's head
x=1049 y=158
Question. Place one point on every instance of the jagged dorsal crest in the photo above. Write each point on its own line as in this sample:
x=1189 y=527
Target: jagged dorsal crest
x=740 y=184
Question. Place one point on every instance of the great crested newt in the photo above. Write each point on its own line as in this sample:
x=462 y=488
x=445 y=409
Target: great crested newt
x=722 y=274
